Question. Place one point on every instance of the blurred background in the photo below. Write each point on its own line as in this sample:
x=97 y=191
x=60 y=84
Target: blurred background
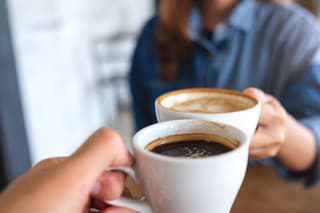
x=72 y=63
x=64 y=66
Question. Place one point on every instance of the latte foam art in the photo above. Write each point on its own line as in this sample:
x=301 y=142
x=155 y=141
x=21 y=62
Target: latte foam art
x=209 y=105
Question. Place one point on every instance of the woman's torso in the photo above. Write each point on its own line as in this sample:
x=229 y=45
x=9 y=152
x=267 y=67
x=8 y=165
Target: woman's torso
x=250 y=50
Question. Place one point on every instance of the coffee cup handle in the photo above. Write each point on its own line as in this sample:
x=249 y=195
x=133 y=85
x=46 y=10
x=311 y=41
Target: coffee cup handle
x=138 y=205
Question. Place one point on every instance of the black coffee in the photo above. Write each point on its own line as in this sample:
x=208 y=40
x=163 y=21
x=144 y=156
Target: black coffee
x=191 y=149
x=189 y=146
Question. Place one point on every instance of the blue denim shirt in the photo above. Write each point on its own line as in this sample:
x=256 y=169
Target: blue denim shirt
x=270 y=46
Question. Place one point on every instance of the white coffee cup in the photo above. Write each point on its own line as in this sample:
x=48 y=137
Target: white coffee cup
x=183 y=185
x=245 y=117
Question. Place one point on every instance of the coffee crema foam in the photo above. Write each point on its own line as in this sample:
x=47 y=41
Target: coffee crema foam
x=210 y=102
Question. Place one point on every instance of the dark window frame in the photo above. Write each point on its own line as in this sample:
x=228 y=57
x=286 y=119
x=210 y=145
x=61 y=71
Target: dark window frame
x=14 y=149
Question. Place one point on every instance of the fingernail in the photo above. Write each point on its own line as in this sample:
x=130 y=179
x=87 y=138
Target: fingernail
x=96 y=188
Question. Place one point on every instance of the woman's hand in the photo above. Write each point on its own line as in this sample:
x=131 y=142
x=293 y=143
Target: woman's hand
x=72 y=184
x=271 y=131
x=280 y=135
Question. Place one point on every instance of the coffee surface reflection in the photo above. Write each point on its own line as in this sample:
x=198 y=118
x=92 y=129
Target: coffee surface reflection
x=191 y=146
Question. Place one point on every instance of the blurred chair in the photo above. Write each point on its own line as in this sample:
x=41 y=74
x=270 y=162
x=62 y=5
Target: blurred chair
x=111 y=57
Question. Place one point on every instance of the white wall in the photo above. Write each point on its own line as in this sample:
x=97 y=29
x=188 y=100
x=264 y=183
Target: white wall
x=56 y=69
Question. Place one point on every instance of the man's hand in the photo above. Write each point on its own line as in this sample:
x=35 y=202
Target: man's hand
x=72 y=184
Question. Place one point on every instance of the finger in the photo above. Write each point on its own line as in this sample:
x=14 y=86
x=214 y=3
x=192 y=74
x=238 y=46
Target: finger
x=44 y=166
x=260 y=153
x=117 y=210
x=255 y=93
x=272 y=113
x=98 y=204
x=49 y=162
x=109 y=186
x=272 y=101
x=259 y=139
x=266 y=115
x=256 y=153
x=103 y=149
x=266 y=137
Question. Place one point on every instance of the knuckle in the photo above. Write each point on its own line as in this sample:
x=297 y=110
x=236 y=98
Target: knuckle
x=48 y=161
x=44 y=162
x=278 y=143
x=268 y=112
x=265 y=109
x=274 y=109
x=257 y=156
x=282 y=116
x=279 y=117
x=279 y=138
x=109 y=133
x=106 y=131
x=273 y=100
x=272 y=152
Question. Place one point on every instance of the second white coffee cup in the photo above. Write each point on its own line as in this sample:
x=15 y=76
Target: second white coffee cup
x=245 y=117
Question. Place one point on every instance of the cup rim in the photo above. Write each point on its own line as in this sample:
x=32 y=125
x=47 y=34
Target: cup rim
x=159 y=100
x=174 y=160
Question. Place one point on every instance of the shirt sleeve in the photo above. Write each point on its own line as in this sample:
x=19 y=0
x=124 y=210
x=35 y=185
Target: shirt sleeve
x=304 y=105
x=301 y=97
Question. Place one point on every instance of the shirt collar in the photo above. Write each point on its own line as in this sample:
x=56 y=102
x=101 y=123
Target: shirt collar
x=243 y=15
x=241 y=18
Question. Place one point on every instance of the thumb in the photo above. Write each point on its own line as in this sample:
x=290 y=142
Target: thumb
x=255 y=93
x=103 y=149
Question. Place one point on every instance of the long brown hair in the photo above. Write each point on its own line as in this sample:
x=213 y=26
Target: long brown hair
x=173 y=42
